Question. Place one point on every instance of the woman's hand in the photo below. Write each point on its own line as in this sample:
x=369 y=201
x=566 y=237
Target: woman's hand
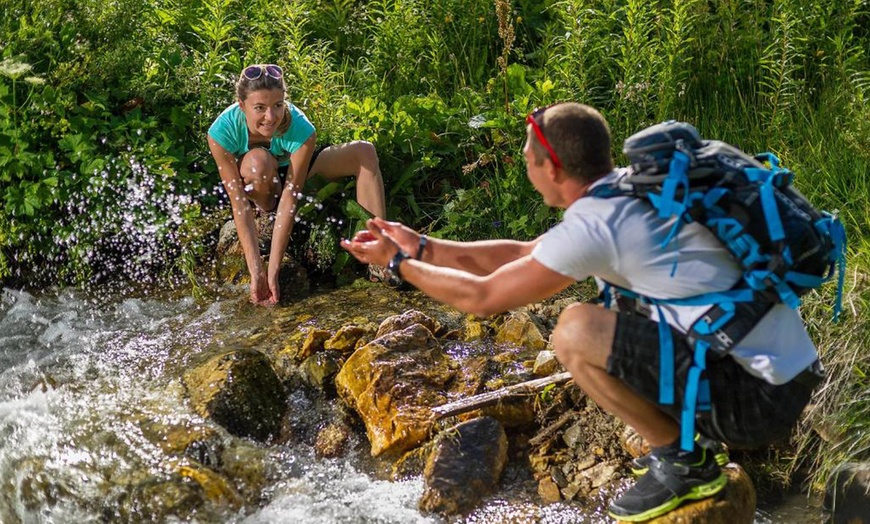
x=261 y=294
x=274 y=289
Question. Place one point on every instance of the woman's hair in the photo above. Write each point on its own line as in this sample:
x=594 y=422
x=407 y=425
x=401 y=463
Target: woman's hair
x=245 y=86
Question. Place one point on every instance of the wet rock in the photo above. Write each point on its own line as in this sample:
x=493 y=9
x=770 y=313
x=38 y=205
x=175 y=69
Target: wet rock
x=158 y=500
x=847 y=494
x=514 y=412
x=412 y=463
x=735 y=504
x=465 y=465
x=393 y=382
x=332 y=440
x=475 y=330
x=345 y=339
x=245 y=464
x=319 y=369
x=523 y=329
x=194 y=441
x=240 y=391
x=546 y=364
x=215 y=487
x=599 y=474
x=406 y=319
x=313 y=343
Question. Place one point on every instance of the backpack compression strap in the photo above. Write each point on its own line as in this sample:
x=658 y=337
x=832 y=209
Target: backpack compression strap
x=734 y=314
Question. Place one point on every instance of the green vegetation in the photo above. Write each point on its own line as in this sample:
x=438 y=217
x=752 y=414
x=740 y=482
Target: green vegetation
x=104 y=170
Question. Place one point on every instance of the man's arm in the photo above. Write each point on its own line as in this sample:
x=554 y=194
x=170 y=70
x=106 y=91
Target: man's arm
x=515 y=284
x=480 y=257
x=519 y=281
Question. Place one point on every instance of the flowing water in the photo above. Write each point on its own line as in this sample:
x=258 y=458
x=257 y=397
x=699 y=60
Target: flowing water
x=83 y=377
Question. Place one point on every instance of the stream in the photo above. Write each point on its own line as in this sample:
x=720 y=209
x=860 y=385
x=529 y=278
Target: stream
x=83 y=377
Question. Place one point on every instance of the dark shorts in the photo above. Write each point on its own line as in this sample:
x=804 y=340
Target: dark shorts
x=746 y=411
x=282 y=170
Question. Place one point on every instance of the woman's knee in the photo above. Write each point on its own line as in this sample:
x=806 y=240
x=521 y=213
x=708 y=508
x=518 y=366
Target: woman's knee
x=366 y=154
x=258 y=166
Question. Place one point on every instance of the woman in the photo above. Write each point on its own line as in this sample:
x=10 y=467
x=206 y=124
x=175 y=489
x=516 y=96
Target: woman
x=265 y=150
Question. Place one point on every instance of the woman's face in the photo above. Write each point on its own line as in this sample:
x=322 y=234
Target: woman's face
x=263 y=110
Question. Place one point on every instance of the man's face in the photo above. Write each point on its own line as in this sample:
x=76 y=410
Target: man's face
x=539 y=173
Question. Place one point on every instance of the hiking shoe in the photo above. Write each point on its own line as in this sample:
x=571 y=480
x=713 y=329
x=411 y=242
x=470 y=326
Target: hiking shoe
x=640 y=465
x=668 y=483
x=380 y=274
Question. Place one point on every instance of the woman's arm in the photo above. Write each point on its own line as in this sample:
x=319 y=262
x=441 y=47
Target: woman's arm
x=243 y=217
x=286 y=214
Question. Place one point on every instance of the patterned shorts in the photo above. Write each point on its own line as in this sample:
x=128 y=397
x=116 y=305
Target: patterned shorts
x=746 y=411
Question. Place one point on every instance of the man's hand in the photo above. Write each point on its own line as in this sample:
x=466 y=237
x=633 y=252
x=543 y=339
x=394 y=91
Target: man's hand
x=373 y=245
x=407 y=239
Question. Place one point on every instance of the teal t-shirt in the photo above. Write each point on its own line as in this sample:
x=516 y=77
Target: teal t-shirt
x=231 y=132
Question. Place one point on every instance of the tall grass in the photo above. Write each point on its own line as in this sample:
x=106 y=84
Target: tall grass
x=441 y=87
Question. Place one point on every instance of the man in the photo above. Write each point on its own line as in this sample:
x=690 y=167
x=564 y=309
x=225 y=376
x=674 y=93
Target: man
x=614 y=355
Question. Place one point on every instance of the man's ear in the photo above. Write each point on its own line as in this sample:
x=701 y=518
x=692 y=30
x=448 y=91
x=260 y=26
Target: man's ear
x=554 y=173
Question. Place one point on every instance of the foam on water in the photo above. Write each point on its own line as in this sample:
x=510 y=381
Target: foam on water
x=334 y=492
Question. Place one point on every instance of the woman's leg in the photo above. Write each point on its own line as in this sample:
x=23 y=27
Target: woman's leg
x=259 y=171
x=358 y=159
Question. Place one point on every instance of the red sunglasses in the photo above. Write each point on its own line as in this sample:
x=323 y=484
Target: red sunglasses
x=533 y=120
x=256 y=71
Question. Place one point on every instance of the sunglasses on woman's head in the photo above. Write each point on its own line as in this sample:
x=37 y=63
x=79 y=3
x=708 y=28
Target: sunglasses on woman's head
x=256 y=71
x=532 y=119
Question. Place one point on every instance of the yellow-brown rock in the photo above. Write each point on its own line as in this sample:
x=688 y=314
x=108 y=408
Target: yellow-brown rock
x=474 y=330
x=406 y=319
x=314 y=341
x=345 y=339
x=522 y=329
x=633 y=443
x=548 y=490
x=393 y=382
x=240 y=391
x=216 y=488
x=735 y=504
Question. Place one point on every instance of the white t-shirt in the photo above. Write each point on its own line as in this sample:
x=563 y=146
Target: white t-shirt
x=619 y=240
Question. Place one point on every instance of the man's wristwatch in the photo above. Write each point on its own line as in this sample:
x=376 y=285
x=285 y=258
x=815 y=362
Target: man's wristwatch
x=393 y=265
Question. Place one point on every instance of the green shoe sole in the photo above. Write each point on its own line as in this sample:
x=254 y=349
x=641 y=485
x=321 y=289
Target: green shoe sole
x=698 y=492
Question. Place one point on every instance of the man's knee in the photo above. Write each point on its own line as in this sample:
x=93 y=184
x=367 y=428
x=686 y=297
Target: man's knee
x=584 y=332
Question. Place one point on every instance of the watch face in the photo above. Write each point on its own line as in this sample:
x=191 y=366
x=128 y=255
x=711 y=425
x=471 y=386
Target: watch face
x=393 y=266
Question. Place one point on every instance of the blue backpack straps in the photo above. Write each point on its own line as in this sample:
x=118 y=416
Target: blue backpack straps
x=783 y=244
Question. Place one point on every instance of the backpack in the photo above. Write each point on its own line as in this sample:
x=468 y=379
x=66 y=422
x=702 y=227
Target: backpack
x=784 y=245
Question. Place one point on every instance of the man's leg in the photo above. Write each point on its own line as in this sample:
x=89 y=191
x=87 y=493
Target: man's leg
x=358 y=159
x=583 y=340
